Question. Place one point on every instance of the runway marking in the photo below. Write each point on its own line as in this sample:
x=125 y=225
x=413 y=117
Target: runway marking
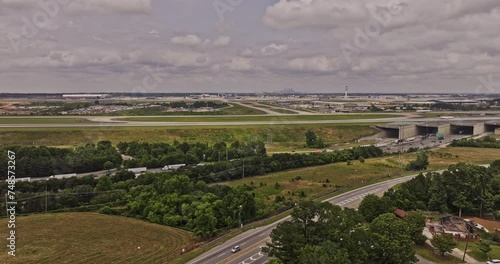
x=357 y=197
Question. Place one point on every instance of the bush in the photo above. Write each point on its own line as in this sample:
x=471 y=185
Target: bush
x=108 y=211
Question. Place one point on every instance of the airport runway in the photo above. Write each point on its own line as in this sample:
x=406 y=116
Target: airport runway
x=108 y=121
x=252 y=240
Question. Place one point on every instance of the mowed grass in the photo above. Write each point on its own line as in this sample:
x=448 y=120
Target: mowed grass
x=92 y=238
x=43 y=120
x=282 y=111
x=473 y=251
x=289 y=135
x=321 y=180
x=431 y=256
x=259 y=118
x=233 y=109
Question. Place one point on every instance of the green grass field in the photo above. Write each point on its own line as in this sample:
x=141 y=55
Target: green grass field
x=473 y=251
x=235 y=109
x=431 y=256
x=289 y=136
x=320 y=180
x=92 y=238
x=259 y=118
x=283 y=111
x=42 y=120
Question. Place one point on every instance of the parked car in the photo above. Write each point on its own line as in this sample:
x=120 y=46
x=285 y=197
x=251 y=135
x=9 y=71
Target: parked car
x=494 y=261
x=235 y=249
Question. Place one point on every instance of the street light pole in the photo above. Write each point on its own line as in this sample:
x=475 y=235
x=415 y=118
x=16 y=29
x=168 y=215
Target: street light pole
x=241 y=224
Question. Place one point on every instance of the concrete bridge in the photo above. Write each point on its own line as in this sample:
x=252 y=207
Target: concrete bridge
x=402 y=131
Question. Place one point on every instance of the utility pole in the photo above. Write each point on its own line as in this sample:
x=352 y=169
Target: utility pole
x=466 y=241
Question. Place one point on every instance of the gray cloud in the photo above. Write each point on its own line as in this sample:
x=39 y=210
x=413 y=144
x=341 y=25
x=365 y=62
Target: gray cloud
x=83 y=6
x=424 y=46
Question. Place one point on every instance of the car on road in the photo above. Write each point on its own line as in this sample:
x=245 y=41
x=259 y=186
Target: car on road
x=493 y=261
x=235 y=249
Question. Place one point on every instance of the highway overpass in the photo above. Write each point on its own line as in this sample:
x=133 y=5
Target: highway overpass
x=407 y=130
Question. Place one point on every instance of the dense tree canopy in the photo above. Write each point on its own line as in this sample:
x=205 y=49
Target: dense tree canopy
x=372 y=206
x=178 y=201
x=463 y=187
x=155 y=155
x=391 y=240
x=46 y=161
x=317 y=227
x=325 y=233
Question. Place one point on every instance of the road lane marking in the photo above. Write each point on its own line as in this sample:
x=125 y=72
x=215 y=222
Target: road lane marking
x=233 y=257
x=357 y=197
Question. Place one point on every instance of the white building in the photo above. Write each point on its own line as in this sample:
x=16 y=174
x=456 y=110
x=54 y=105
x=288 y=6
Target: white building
x=85 y=96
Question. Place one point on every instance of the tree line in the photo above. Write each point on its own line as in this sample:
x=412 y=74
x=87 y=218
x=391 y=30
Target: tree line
x=42 y=161
x=323 y=233
x=155 y=155
x=486 y=142
x=463 y=188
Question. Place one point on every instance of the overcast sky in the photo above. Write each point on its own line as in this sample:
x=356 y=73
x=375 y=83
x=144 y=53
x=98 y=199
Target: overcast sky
x=249 y=45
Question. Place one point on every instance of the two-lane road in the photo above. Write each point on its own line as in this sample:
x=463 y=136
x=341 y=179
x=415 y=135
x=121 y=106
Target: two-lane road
x=252 y=240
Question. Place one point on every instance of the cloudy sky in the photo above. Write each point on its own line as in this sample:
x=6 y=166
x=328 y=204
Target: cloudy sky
x=249 y=45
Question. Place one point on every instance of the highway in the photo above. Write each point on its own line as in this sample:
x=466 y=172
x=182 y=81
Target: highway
x=252 y=240
x=109 y=121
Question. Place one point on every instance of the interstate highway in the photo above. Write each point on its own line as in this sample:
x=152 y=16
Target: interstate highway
x=251 y=241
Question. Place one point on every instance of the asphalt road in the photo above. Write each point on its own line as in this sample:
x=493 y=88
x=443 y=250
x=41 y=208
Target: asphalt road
x=252 y=240
x=109 y=121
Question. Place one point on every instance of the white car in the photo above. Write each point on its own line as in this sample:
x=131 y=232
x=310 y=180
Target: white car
x=494 y=261
x=235 y=249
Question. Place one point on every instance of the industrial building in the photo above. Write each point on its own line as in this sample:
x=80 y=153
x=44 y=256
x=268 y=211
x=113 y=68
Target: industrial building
x=85 y=96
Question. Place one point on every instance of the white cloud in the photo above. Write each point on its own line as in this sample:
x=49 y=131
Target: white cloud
x=247 y=53
x=432 y=44
x=241 y=64
x=188 y=40
x=313 y=13
x=87 y=6
x=274 y=49
x=221 y=41
x=319 y=64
